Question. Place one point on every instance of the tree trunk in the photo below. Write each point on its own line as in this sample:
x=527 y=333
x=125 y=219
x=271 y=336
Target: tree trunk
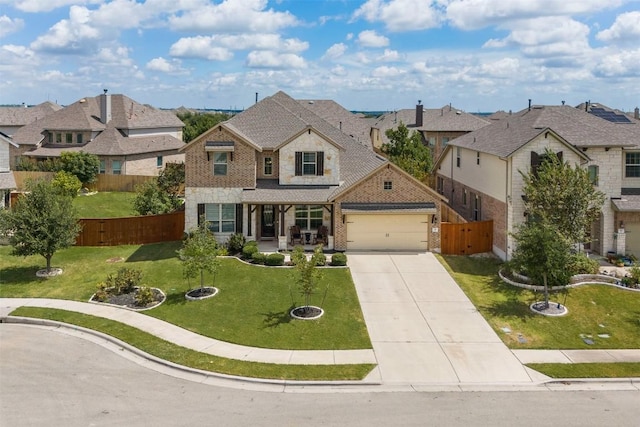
x=201 y=279
x=48 y=258
x=546 y=290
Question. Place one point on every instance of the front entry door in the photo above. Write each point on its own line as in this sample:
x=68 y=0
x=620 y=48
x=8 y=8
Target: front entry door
x=268 y=223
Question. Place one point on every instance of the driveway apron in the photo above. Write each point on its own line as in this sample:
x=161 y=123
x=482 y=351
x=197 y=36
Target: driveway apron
x=423 y=328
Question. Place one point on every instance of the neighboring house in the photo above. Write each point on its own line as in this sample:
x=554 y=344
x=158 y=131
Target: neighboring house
x=437 y=126
x=7 y=182
x=278 y=165
x=13 y=118
x=128 y=137
x=480 y=172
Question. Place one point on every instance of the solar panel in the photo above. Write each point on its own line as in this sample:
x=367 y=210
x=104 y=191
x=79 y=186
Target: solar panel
x=608 y=115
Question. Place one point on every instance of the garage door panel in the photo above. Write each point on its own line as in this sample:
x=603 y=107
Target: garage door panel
x=387 y=232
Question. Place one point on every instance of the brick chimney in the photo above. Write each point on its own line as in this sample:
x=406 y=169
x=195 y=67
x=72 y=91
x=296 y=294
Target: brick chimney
x=105 y=107
x=419 y=109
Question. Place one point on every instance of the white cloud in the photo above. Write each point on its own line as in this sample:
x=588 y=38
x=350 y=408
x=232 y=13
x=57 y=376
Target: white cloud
x=339 y=70
x=8 y=25
x=233 y=15
x=626 y=28
x=19 y=51
x=160 y=64
x=401 y=15
x=387 y=72
x=335 y=51
x=270 y=59
x=389 y=55
x=200 y=47
x=35 y=6
x=619 y=64
x=113 y=56
x=370 y=38
x=475 y=14
x=70 y=35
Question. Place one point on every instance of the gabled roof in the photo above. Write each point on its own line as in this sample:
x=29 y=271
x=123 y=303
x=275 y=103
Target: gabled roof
x=20 y=116
x=578 y=128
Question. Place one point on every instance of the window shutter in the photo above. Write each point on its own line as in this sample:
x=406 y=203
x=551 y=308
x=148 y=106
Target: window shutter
x=320 y=163
x=298 y=163
x=239 y=218
x=200 y=212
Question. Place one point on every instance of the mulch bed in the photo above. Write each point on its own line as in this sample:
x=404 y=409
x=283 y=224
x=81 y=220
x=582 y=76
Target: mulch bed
x=129 y=300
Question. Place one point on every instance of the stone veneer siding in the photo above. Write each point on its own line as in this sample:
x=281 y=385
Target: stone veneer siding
x=310 y=142
x=241 y=171
x=405 y=190
x=193 y=196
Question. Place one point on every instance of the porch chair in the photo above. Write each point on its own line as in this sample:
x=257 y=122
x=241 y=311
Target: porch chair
x=295 y=235
x=322 y=236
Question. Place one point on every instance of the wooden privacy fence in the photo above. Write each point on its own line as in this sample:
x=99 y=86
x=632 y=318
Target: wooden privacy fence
x=466 y=238
x=135 y=230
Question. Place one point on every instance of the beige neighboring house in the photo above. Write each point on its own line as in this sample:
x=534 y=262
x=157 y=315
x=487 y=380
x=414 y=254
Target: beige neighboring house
x=128 y=137
x=7 y=182
x=278 y=167
x=437 y=126
x=480 y=172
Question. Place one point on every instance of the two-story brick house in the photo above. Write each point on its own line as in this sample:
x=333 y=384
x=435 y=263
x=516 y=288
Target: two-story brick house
x=128 y=137
x=278 y=165
x=480 y=172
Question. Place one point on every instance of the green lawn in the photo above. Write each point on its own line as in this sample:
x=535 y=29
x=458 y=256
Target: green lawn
x=105 y=205
x=593 y=310
x=252 y=307
x=588 y=370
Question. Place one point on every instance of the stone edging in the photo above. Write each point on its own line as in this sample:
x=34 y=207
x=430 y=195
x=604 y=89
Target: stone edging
x=597 y=279
x=327 y=265
x=164 y=298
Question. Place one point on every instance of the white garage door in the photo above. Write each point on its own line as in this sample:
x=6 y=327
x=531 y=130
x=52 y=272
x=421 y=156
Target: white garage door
x=387 y=232
x=632 y=238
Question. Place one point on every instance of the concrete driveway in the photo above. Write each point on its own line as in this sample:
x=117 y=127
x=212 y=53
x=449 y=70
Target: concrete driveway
x=424 y=329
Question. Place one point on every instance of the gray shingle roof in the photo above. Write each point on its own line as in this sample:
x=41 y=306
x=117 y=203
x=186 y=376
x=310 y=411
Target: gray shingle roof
x=578 y=128
x=7 y=182
x=627 y=203
x=20 y=116
x=353 y=125
x=269 y=191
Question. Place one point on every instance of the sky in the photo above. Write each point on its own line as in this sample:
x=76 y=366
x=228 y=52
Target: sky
x=373 y=55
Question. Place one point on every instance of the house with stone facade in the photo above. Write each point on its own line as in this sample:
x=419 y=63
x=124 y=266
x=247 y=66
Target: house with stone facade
x=480 y=172
x=437 y=126
x=128 y=137
x=278 y=167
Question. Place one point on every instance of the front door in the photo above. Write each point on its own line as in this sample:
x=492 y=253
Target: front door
x=268 y=217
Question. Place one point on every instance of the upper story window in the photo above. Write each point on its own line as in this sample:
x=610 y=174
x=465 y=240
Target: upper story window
x=632 y=165
x=58 y=138
x=79 y=138
x=477 y=157
x=220 y=163
x=69 y=138
x=159 y=161
x=432 y=141
x=445 y=141
x=387 y=185
x=309 y=163
x=116 y=167
x=458 y=156
x=440 y=185
x=593 y=174
x=50 y=138
x=268 y=165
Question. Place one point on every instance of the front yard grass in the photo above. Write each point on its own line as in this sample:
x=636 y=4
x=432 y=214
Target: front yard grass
x=588 y=370
x=252 y=307
x=105 y=205
x=186 y=357
x=593 y=310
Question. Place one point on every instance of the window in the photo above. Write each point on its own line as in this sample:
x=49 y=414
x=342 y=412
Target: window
x=268 y=166
x=116 y=167
x=309 y=163
x=50 y=138
x=159 y=161
x=388 y=185
x=220 y=163
x=103 y=166
x=476 y=207
x=458 y=156
x=464 y=197
x=69 y=138
x=593 y=174
x=632 y=165
x=221 y=217
x=308 y=217
x=58 y=138
x=477 y=157
x=440 y=185
x=445 y=141
x=79 y=138
x=432 y=141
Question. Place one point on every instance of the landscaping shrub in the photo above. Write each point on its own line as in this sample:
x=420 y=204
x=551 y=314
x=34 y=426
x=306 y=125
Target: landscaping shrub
x=125 y=281
x=144 y=296
x=275 y=259
x=67 y=183
x=259 y=258
x=581 y=264
x=339 y=259
x=235 y=243
x=248 y=250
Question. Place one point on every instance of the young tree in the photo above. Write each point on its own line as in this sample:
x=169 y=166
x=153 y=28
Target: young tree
x=198 y=123
x=307 y=274
x=67 y=183
x=152 y=200
x=83 y=165
x=408 y=152
x=543 y=252
x=41 y=222
x=171 y=180
x=559 y=194
x=199 y=253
